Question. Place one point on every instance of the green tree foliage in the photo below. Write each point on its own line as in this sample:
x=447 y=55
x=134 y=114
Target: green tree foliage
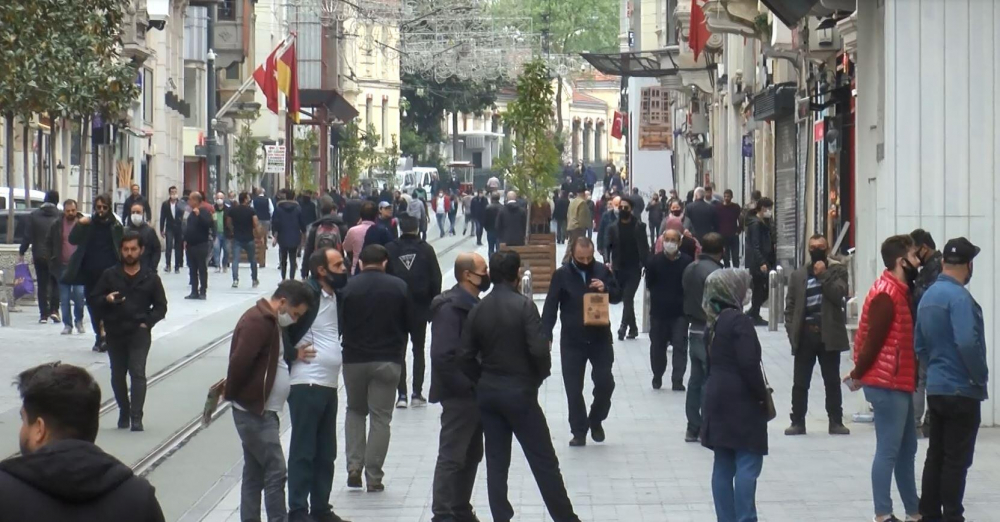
x=349 y=152
x=305 y=151
x=390 y=159
x=246 y=155
x=572 y=26
x=533 y=169
x=370 y=157
x=427 y=101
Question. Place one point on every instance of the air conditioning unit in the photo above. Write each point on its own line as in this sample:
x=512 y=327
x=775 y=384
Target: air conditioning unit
x=774 y=102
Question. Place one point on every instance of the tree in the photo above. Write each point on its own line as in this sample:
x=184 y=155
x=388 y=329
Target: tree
x=246 y=155
x=532 y=171
x=349 y=152
x=369 y=150
x=390 y=159
x=428 y=100
x=305 y=150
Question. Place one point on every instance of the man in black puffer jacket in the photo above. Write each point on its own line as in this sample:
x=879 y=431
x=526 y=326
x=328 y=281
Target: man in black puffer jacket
x=39 y=223
x=61 y=476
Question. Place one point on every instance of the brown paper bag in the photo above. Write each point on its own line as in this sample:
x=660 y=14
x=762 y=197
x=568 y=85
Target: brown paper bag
x=596 y=311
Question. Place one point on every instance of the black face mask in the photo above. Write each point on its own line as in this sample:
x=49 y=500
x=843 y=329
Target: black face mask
x=911 y=272
x=335 y=280
x=583 y=267
x=817 y=255
x=625 y=213
x=484 y=282
x=675 y=212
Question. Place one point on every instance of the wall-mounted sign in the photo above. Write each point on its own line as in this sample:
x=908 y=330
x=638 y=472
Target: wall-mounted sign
x=275 y=159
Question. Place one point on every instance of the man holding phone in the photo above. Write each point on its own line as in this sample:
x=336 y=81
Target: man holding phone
x=132 y=301
x=312 y=350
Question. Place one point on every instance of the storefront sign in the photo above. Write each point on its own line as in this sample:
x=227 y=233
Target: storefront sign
x=275 y=163
x=819 y=130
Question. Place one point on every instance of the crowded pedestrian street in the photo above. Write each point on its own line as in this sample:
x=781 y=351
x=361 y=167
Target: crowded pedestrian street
x=644 y=471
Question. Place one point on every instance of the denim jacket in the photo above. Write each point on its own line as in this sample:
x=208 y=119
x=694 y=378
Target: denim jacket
x=951 y=341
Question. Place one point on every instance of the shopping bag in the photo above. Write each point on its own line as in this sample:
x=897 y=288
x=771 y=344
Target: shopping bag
x=23 y=284
x=596 y=310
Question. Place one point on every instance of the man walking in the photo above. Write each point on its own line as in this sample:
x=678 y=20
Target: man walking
x=61 y=475
x=930 y=269
x=221 y=234
x=172 y=229
x=98 y=241
x=760 y=256
x=627 y=250
x=377 y=317
x=578 y=221
x=354 y=242
x=560 y=213
x=39 y=223
x=700 y=215
x=506 y=353
x=490 y=215
x=327 y=232
x=580 y=343
x=150 y=242
x=668 y=324
x=264 y=208
x=288 y=226
x=512 y=222
x=478 y=209
x=244 y=223
x=460 y=448
x=312 y=350
x=415 y=262
x=135 y=197
x=693 y=283
x=132 y=301
x=197 y=237
x=60 y=253
x=730 y=226
x=817 y=329
x=257 y=383
x=951 y=343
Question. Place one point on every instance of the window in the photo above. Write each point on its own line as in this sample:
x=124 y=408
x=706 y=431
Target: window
x=368 y=112
x=227 y=10
x=147 y=95
x=233 y=72
x=385 y=121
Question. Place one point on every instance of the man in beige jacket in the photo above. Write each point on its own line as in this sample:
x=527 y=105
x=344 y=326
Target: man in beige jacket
x=578 y=219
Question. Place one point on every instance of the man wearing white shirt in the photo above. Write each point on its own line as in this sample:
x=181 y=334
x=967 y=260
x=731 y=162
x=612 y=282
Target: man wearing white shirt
x=315 y=371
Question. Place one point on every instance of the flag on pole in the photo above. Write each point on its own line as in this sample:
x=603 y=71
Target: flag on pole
x=698 y=33
x=616 y=126
x=288 y=81
x=265 y=76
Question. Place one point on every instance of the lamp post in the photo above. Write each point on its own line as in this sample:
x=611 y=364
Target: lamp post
x=214 y=184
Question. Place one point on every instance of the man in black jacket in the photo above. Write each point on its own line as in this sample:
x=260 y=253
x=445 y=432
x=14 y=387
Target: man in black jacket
x=760 y=256
x=512 y=222
x=700 y=215
x=133 y=301
x=39 y=223
x=478 y=211
x=377 y=317
x=135 y=197
x=560 y=213
x=172 y=229
x=98 y=247
x=930 y=268
x=150 y=243
x=197 y=237
x=577 y=277
x=490 y=215
x=668 y=325
x=61 y=475
x=628 y=250
x=415 y=262
x=506 y=352
x=693 y=282
x=461 y=440
x=288 y=226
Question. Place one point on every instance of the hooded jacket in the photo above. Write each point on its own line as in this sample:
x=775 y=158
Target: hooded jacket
x=450 y=380
x=253 y=358
x=73 y=480
x=39 y=223
x=151 y=248
x=512 y=224
x=288 y=223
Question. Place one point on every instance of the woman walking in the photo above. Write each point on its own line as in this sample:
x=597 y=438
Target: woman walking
x=736 y=396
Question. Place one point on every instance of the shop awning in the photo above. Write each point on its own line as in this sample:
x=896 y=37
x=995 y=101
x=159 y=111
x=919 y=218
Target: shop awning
x=339 y=107
x=790 y=11
x=645 y=64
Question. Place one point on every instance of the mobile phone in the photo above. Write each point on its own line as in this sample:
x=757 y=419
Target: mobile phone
x=119 y=298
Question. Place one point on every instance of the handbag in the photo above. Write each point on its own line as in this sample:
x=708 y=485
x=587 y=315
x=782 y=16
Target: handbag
x=23 y=283
x=772 y=413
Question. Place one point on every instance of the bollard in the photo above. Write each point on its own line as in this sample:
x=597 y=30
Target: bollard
x=772 y=308
x=780 y=303
x=526 y=284
x=4 y=307
x=645 y=311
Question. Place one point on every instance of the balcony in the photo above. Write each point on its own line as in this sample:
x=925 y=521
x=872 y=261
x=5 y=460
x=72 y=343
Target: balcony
x=134 y=46
x=721 y=21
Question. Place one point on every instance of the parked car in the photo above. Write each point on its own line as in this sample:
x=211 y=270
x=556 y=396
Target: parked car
x=22 y=209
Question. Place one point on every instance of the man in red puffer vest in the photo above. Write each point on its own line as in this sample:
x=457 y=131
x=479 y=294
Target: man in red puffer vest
x=885 y=366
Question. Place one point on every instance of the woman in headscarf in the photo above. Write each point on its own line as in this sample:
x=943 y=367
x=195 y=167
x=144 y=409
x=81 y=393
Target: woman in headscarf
x=734 y=411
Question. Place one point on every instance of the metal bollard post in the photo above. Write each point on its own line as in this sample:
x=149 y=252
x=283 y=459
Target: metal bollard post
x=645 y=311
x=772 y=309
x=526 y=284
x=779 y=305
x=4 y=306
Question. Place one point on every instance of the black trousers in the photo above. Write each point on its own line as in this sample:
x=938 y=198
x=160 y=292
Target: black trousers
x=127 y=354
x=479 y=231
x=560 y=230
x=48 y=290
x=175 y=244
x=493 y=242
x=654 y=231
x=629 y=281
x=460 y=450
x=574 y=368
x=665 y=331
x=510 y=410
x=731 y=251
x=421 y=312
x=811 y=349
x=954 y=423
x=313 y=411
x=93 y=311
x=760 y=292
x=286 y=256
x=197 y=258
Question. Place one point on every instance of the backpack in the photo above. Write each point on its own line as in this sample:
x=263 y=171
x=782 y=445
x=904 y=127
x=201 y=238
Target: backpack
x=327 y=236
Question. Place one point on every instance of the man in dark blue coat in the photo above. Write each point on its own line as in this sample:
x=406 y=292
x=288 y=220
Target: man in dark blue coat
x=288 y=225
x=580 y=343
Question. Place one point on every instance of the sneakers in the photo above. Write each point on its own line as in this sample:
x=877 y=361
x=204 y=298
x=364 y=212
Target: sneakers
x=418 y=400
x=354 y=479
x=597 y=432
x=137 y=423
x=67 y=330
x=225 y=270
x=690 y=435
x=43 y=320
x=838 y=428
x=401 y=402
x=79 y=327
x=796 y=429
x=376 y=488
x=54 y=318
x=578 y=441
x=236 y=284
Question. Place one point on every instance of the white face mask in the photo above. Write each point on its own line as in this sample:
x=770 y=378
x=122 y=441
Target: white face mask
x=767 y=214
x=670 y=247
x=137 y=219
x=219 y=201
x=285 y=319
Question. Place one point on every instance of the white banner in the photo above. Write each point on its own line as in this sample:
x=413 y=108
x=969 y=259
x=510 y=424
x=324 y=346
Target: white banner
x=275 y=162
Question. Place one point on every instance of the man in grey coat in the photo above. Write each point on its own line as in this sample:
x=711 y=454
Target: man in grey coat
x=817 y=329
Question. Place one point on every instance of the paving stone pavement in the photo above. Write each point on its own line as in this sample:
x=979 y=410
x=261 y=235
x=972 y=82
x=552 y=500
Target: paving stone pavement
x=645 y=471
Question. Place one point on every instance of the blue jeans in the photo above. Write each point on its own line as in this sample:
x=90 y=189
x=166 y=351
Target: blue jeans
x=67 y=292
x=441 y=218
x=251 y=251
x=734 y=484
x=220 y=246
x=895 y=449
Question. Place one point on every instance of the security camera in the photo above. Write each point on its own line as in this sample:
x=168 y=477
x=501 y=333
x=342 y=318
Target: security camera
x=215 y=122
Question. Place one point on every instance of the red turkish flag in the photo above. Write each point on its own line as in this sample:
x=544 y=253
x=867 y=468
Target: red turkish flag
x=266 y=77
x=616 y=126
x=698 y=33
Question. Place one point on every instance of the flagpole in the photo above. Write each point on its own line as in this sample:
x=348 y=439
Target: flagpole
x=249 y=81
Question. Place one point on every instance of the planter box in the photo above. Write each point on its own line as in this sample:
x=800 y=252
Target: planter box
x=540 y=257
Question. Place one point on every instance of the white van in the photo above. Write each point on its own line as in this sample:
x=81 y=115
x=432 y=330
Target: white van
x=36 y=198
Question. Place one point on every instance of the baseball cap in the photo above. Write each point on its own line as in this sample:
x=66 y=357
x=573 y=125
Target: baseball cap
x=383 y=204
x=959 y=251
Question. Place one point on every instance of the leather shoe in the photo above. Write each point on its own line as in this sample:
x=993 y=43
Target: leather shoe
x=137 y=423
x=191 y=296
x=678 y=386
x=795 y=429
x=597 y=432
x=329 y=516
x=578 y=441
x=657 y=383
x=376 y=488
x=354 y=479
x=838 y=428
x=621 y=333
x=690 y=436
x=123 y=420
